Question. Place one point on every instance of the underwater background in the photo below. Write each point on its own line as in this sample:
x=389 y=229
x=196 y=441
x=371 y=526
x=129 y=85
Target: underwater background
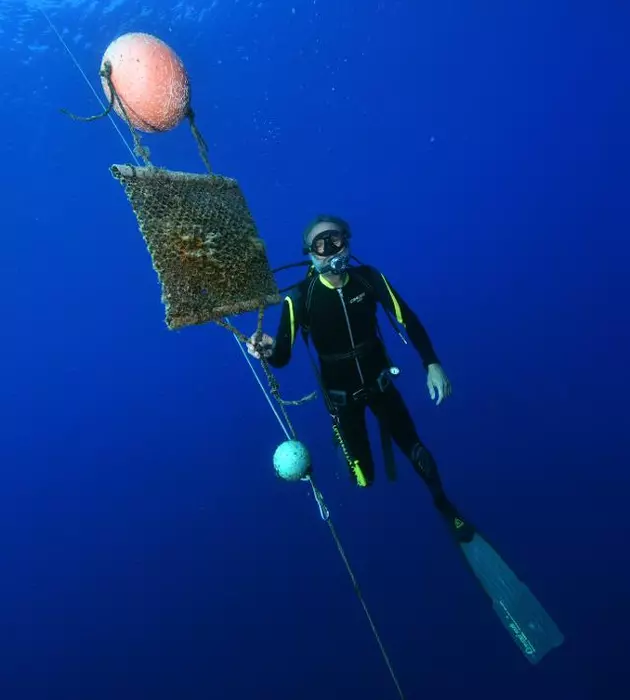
x=480 y=153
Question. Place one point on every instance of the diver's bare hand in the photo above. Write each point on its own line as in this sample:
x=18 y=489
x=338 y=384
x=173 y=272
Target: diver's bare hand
x=260 y=345
x=438 y=384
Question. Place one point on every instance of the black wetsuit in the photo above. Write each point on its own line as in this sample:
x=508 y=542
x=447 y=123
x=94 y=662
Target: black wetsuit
x=342 y=324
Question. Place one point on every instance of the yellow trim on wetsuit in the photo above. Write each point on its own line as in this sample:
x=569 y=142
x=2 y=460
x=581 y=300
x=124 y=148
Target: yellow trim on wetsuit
x=397 y=311
x=291 y=318
x=354 y=464
x=358 y=474
x=326 y=283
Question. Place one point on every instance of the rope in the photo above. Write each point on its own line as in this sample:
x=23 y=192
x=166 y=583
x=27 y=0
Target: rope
x=201 y=144
x=107 y=111
x=366 y=610
x=239 y=337
x=139 y=150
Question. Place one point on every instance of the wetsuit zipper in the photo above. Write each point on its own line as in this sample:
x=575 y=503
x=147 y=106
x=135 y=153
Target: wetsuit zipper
x=345 y=311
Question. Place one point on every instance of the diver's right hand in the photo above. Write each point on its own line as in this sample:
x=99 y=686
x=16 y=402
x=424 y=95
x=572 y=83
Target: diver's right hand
x=260 y=345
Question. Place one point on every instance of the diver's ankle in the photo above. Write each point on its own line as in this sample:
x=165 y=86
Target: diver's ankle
x=460 y=528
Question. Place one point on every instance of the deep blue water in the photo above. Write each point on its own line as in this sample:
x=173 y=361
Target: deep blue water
x=481 y=155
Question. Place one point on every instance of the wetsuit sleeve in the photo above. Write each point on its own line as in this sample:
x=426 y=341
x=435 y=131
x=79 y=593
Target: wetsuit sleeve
x=285 y=336
x=396 y=305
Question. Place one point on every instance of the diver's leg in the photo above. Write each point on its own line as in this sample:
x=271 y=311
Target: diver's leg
x=355 y=443
x=390 y=408
x=528 y=623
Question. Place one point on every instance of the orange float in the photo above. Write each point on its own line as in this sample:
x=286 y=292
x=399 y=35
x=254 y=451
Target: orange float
x=150 y=81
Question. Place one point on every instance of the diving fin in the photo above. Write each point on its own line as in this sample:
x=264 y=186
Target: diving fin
x=528 y=623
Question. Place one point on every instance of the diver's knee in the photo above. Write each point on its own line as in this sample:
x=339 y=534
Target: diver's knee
x=424 y=462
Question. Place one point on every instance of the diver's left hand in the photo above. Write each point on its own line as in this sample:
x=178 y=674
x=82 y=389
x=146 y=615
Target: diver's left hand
x=438 y=383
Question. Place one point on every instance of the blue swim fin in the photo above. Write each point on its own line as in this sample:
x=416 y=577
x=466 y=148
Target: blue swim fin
x=528 y=623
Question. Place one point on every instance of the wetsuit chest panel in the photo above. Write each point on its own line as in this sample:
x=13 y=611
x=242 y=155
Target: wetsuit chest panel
x=331 y=335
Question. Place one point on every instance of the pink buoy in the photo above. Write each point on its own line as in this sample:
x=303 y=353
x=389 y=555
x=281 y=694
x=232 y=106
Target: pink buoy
x=150 y=80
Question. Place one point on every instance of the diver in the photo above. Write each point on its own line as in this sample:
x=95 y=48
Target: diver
x=336 y=305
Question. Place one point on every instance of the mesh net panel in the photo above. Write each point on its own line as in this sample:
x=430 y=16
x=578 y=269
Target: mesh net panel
x=203 y=243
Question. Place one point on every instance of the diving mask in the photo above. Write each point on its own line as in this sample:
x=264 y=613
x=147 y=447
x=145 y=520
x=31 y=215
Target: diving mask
x=327 y=243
